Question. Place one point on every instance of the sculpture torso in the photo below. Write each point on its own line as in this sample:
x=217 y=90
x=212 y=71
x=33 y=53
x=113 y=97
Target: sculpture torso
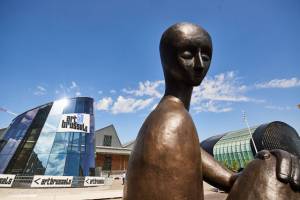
x=166 y=161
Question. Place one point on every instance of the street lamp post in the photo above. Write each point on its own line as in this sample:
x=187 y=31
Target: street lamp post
x=246 y=122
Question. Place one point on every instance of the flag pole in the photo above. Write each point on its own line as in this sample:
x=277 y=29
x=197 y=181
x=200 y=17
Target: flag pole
x=246 y=122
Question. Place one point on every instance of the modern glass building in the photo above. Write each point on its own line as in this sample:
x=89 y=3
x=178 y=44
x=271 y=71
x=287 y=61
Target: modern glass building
x=53 y=139
x=235 y=149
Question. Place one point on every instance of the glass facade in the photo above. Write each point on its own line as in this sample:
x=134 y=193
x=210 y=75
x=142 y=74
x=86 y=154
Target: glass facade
x=234 y=149
x=36 y=143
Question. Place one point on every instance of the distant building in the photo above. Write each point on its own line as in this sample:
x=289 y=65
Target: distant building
x=111 y=155
x=235 y=148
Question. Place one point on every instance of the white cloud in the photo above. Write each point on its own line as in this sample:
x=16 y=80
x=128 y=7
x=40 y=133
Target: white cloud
x=147 y=88
x=280 y=83
x=214 y=95
x=100 y=92
x=41 y=88
x=221 y=87
x=211 y=106
x=61 y=90
x=74 y=85
x=217 y=92
x=71 y=91
x=39 y=91
x=113 y=91
x=280 y=108
x=129 y=105
x=104 y=103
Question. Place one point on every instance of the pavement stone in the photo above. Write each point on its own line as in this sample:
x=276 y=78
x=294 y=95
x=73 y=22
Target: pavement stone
x=115 y=191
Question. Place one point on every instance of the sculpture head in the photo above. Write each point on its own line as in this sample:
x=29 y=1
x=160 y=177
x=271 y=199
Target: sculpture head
x=185 y=51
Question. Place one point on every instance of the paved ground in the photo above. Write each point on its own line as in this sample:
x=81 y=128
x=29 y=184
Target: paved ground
x=114 y=191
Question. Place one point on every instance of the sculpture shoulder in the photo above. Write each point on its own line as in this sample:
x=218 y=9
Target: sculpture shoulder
x=169 y=113
x=171 y=106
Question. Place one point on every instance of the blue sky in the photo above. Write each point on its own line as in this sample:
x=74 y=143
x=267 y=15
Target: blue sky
x=109 y=50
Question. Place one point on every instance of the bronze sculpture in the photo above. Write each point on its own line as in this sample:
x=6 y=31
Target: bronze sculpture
x=167 y=162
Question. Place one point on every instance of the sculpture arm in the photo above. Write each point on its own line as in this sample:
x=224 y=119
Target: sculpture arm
x=216 y=174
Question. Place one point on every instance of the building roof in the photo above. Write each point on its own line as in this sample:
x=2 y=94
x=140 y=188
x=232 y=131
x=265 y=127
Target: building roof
x=113 y=150
x=108 y=130
x=210 y=142
x=116 y=146
x=236 y=135
x=46 y=104
x=129 y=145
x=228 y=137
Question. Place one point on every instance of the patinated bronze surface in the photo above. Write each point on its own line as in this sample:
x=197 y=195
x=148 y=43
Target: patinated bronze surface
x=166 y=162
x=259 y=181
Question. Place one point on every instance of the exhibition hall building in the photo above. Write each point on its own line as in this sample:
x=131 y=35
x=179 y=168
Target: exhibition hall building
x=56 y=138
x=235 y=149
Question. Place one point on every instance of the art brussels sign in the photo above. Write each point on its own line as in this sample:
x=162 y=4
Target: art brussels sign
x=44 y=181
x=6 y=180
x=52 y=181
x=93 y=181
x=74 y=122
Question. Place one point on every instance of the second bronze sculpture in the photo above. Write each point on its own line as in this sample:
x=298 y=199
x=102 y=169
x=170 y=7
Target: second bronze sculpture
x=167 y=163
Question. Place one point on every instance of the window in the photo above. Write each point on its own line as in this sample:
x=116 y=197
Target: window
x=56 y=164
x=18 y=163
x=60 y=143
x=84 y=106
x=107 y=163
x=72 y=164
x=107 y=140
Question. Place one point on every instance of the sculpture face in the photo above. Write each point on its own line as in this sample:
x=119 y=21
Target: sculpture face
x=186 y=51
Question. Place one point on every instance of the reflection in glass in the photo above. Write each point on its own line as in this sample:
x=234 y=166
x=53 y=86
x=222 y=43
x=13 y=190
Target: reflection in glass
x=36 y=164
x=14 y=136
x=56 y=164
x=70 y=107
x=60 y=143
x=20 y=158
x=72 y=164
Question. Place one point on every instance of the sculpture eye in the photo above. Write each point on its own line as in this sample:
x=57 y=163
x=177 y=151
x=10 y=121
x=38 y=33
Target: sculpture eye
x=186 y=55
x=205 y=57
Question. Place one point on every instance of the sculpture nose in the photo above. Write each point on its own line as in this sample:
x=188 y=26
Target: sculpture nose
x=199 y=61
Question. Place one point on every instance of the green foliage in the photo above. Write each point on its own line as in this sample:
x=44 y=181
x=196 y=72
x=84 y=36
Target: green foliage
x=235 y=166
x=225 y=163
